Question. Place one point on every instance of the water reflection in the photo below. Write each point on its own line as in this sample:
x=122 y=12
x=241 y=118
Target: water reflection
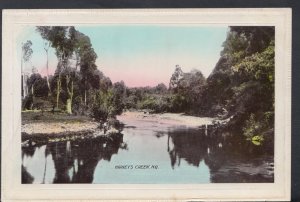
x=229 y=159
x=188 y=144
x=183 y=155
x=74 y=161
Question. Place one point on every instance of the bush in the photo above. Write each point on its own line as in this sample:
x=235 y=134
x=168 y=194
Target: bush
x=108 y=105
x=256 y=127
x=156 y=103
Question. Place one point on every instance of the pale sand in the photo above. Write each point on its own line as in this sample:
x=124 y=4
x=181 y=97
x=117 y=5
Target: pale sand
x=46 y=128
x=168 y=118
x=163 y=119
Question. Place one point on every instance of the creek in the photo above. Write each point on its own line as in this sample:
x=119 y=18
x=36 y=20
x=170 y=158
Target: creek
x=149 y=151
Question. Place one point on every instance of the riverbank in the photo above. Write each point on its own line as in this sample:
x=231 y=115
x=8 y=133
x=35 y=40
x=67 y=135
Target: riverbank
x=46 y=128
x=36 y=122
x=171 y=119
x=48 y=123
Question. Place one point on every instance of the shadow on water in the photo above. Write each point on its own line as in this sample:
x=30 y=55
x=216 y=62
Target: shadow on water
x=27 y=178
x=229 y=158
x=198 y=155
x=75 y=161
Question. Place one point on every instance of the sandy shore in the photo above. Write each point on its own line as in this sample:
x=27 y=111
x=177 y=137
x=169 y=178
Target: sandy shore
x=57 y=127
x=167 y=118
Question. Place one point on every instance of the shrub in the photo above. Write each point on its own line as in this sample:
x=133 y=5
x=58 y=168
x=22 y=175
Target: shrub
x=256 y=127
x=108 y=105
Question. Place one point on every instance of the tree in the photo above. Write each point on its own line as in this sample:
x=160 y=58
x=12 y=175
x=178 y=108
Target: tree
x=37 y=85
x=176 y=76
x=27 y=51
x=186 y=89
x=85 y=59
x=46 y=48
x=242 y=82
x=62 y=39
x=161 y=88
x=38 y=88
x=25 y=57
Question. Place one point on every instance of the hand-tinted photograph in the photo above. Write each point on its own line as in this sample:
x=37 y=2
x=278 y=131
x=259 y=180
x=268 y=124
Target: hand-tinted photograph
x=147 y=104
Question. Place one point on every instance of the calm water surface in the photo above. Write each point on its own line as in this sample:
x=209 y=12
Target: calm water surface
x=148 y=152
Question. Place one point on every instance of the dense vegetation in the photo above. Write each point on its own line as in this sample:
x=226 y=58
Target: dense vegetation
x=242 y=83
x=77 y=86
x=241 y=86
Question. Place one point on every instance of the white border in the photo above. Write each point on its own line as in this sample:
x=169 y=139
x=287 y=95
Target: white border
x=12 y=189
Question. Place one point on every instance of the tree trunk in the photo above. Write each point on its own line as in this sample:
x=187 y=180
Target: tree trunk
x=47 y=66
x=49 y=89
x=23 y=79
x=32 y=90
x=58 y=91
x=69 y=106
x=32 y=94
x=70 y=95
x=85 y=91
x=84 y=96
x=48 y=84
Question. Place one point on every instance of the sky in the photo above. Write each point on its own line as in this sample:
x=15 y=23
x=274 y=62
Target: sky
x=140 y=55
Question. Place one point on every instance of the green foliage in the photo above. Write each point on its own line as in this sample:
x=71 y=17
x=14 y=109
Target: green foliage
x=148 y=102
x=175 y=78
x=130 y=102
x=69 y=80
x=27 y=51
x=258 y=66
x=157 y=103
x=241 y=84
x=257 y=140
x=252 y=127
x=242 y=81
x=37 y=85
x=178 y=103
x=257 y=126
x=187 y=89
x=108 y=104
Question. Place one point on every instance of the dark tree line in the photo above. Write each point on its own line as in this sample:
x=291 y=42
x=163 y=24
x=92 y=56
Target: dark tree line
x=242 y=82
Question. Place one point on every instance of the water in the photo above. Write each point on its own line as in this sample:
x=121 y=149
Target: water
x=149 y=152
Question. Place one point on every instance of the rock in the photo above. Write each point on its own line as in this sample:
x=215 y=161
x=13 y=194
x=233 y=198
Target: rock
x=112 y=131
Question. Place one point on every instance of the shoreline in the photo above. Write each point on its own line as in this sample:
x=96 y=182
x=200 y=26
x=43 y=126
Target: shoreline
x=71 y=126
x=171 y=119
x=57 y=127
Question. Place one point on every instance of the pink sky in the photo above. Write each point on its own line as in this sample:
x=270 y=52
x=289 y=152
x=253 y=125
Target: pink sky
x=140 y=55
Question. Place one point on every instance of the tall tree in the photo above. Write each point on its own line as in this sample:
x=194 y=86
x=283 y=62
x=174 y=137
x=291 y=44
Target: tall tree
x=25 y=57
x=73 y=50
x=62 y=39
x=176 y=76
x=186 y=88
x=85 y=59
x=46 y=48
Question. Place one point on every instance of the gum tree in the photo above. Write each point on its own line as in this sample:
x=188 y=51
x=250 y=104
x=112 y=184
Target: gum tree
x=25 y=57
x=73 y=50
x=62 y=40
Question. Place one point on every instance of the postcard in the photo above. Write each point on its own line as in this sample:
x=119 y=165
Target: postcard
x=156 y=104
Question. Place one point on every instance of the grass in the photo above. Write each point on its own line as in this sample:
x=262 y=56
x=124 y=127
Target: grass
x=35 y=116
